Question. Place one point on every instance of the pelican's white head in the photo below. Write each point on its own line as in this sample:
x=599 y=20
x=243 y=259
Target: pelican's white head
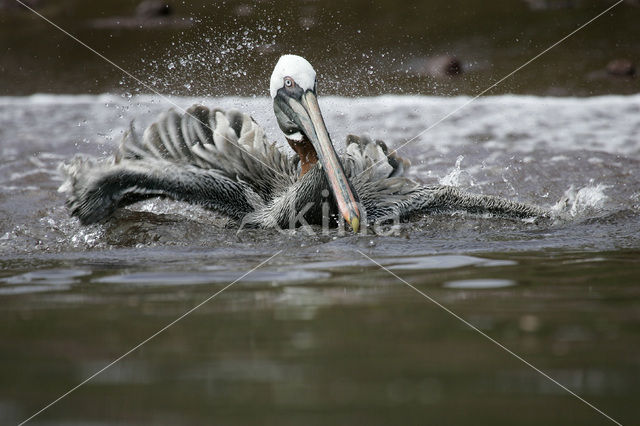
x=295 y=67
x=293 y=89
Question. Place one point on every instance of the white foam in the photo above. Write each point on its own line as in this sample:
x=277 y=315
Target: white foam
x=517 y=123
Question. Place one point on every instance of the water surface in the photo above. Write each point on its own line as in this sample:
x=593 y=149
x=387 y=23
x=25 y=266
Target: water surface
x=320 y=334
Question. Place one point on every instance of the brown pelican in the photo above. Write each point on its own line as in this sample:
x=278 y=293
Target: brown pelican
x=222 y=161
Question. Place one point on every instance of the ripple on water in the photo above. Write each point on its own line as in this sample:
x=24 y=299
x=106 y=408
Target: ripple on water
x=331 y=264
x=217 y=276
x=479 y=284
x=40 y=281
x=407 y=262
x=443 y=262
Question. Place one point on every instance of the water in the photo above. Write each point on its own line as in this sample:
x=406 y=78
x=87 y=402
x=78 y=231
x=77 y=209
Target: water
x=320 y=334
x=361 y=47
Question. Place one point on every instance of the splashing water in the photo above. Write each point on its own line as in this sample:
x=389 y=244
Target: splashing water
x=587 y=200
x=457 y=176
x=495 y=165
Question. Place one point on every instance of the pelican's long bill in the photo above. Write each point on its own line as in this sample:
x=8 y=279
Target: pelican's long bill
x=308 y=117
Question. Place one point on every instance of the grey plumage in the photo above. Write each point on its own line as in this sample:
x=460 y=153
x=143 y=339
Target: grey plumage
x=222 y=161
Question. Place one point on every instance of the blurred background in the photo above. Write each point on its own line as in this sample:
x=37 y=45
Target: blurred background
x=205 y=48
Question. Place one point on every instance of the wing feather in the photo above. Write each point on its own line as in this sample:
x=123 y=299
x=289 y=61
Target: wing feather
x=228 y=141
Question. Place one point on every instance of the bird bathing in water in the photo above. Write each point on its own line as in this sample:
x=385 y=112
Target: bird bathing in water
x=222 y=160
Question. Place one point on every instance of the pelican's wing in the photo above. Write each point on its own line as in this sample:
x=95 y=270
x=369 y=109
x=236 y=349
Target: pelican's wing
x=365 y=156
x=97 y=187
x=220 y=160
x=378 y=177
x=441 y=198
x=230 y=142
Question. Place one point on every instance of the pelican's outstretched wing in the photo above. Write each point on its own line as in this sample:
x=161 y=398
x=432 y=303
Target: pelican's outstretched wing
x=385 y=192
x=227 y=141
x=220 y=160
x=448 y=198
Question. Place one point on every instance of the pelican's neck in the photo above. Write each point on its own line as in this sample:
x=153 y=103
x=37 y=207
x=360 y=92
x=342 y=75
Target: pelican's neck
x=306 y=152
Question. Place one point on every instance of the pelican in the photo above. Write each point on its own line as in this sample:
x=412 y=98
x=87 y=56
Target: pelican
x=223 y=161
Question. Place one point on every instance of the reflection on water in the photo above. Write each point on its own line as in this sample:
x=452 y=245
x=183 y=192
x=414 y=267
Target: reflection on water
x=180 y=278
x=444 y=262
x=322 y=339
x=42 y=280
x=479 y=283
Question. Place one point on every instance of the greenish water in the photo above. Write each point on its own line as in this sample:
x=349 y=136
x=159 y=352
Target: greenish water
x=348 y=344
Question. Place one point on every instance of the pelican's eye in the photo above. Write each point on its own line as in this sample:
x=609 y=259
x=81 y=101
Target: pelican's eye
x=288 y=82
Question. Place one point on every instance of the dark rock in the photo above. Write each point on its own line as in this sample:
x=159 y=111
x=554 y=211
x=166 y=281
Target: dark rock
x=621 y=68
x=436 y=66
x=149 y=14
x=447 y=65
x=153 y=9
